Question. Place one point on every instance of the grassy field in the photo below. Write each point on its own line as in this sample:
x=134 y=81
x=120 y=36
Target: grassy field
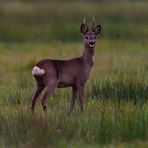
x=116 y=104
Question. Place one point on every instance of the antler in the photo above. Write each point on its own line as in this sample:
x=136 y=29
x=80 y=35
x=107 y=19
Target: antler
x=84 y=28
x=84 y=21
x=93 y=22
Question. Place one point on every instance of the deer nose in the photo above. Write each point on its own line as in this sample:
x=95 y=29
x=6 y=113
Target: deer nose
x=91 y=43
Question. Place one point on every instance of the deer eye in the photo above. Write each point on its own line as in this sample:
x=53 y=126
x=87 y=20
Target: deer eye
x=86 y=37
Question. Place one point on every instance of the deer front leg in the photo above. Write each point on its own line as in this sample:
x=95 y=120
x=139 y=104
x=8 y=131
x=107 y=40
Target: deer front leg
x=73 y=99
x=81 y=97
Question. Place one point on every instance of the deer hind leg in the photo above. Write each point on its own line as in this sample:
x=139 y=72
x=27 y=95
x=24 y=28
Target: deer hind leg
x=49 y=91
x=73 y=99
x=81 y=97
x=38 y=91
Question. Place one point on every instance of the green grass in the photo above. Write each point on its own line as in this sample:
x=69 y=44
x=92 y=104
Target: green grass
x=116 y=109
x=116 y=95
x=101 y=123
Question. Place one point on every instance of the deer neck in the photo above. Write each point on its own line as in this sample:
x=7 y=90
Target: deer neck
x=88 y=56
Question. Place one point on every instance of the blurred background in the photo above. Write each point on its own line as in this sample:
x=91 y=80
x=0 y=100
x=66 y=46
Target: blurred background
x=39 y=29
x=46 y=20
x=116 y=110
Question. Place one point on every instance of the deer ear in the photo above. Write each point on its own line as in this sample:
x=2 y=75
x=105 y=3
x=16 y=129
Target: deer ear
x=84 y=28
x=97 y=29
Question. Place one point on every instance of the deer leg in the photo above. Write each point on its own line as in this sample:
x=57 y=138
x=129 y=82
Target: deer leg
x=74 y=96
x=39 y=89
x=81 y=97
x=49 y=91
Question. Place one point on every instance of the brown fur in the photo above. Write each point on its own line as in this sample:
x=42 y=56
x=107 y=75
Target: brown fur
x=67 y=73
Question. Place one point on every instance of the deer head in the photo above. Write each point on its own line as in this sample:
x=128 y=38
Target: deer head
x=89 y=36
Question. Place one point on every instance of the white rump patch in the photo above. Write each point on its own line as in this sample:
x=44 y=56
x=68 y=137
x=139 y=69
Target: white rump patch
x=37 y=71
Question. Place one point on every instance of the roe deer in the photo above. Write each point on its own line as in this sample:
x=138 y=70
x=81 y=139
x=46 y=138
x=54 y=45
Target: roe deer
x=73 y=73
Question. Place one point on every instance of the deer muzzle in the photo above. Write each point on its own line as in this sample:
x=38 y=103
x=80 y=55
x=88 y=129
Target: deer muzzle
x=91 y=44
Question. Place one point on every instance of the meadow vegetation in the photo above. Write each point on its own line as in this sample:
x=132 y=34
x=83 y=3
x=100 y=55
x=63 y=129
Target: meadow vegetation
x=116 y=104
